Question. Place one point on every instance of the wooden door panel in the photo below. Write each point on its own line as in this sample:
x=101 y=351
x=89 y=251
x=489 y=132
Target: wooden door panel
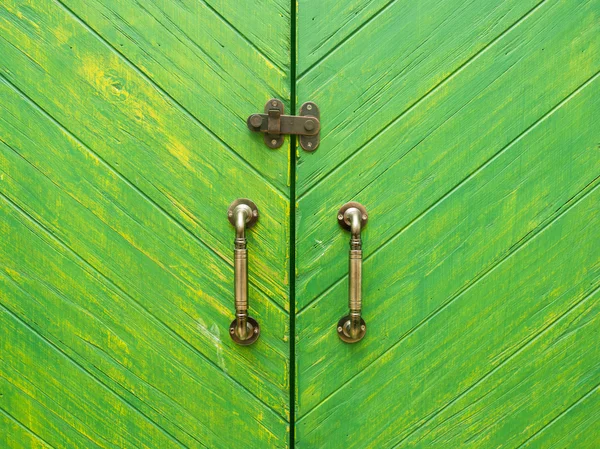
x=117 y=275
x=366 y=84
x=198 y=59
x=433 y=156
x=127 y=113
x=440 y=382
x=468 y=130
x=450 y=155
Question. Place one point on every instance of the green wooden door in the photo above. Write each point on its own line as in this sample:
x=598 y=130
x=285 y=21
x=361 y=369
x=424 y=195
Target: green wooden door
x=470 y=130
x=123 y=142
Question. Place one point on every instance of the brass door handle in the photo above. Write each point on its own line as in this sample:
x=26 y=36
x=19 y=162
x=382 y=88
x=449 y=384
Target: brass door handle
x=353 y=217
x=242 y=214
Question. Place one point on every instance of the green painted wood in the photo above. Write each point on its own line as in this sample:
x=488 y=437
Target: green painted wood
x=502 y=93
x=485 y=372
x=102 y=355
x=470 y=132
x=122 y=143
x=401 y=59
x=468 y=129
x=140 y=246
x=192 y=52
x=575 y=427
x=327 y=24
x=16 y=435
x=499 y=205
x=136 y=128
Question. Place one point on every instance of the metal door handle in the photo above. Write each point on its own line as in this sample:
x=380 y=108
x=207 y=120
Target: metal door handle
x=353 y=217
x=242 y=214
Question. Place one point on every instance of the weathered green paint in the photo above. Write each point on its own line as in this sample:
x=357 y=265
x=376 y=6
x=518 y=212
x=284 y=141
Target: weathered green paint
x=470 y=131
x=123 y=142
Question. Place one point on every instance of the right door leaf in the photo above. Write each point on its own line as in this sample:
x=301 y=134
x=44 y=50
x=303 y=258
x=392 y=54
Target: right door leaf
x=470 y=132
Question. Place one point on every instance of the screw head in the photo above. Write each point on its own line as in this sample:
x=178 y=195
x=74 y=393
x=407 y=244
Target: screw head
x=274 y=142
x=256 y=330
x=255 y=213
x=230 y=214
x=364 y=216
x=231 y=331
x=340 y=329
x=274 y=103
x=363 y=327
x=340 y=217
x=309 y=144
x=309 y=125
x=309 y=106
x=256 y=120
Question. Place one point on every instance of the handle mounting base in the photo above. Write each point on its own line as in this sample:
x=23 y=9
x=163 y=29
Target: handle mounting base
x=253 y=332
x=343 y=219
x=343 y=330
x=252 y=216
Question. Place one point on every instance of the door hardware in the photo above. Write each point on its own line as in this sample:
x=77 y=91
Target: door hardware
x=353 y=217
x=242 y=214
x=274 y=124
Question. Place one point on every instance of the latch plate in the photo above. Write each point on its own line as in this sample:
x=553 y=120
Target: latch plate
x=274 y=124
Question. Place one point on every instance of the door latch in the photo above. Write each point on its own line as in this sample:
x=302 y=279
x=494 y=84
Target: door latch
x=274 y=124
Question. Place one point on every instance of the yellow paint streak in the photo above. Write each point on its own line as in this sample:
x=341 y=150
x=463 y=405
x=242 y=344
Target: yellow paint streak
x=181 y=152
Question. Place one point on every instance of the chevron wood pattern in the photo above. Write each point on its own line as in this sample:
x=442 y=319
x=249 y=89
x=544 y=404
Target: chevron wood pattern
x=469 y=129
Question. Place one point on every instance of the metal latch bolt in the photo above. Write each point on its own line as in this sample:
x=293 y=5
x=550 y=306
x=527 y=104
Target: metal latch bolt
x=274 y=124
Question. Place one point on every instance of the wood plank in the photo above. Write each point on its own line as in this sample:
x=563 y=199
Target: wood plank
x=456 y=242
x=542 y=380
x=142 y=134
x=206 y=65
x=36 y=420
x=324 y=25
x=388 y=66
x=576 y=427
x=99 y=357
x=63 y=186
x=446 y=138
x=529 y=327
x=67 y=386
x=266 y=25
x=14 y=435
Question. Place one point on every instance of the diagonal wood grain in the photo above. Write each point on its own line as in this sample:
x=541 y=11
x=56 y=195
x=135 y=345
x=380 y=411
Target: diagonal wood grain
x=157 y=285
x=143 y=245
x=262 y=24
x=116 y=171
x=327 y=24
x=204 y=64
x=446 y=138
x=460 y=351
x=468 y=232
x=402 y=57
x=574 y=427
x=137 y=130
x=469 y=131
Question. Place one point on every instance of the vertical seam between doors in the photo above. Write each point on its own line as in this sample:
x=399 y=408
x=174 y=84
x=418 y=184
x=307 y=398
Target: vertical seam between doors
x=292 y=222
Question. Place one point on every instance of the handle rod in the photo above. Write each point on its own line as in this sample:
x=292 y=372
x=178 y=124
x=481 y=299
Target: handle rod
x=244 y=330
x=352 y=328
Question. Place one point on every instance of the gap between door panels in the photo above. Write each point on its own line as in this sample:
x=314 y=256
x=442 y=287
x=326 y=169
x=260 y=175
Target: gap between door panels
x=292 y=241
